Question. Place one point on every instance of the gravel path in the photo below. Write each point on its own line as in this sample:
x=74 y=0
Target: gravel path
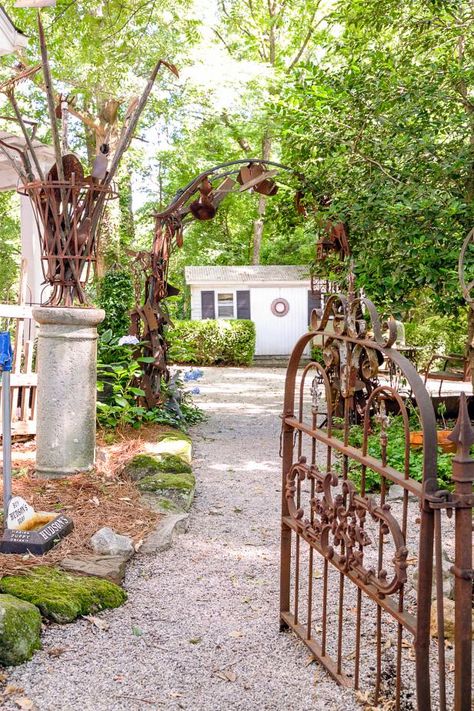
x=200 y=629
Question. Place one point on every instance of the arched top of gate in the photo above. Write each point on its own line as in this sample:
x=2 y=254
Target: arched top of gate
x=353 y=338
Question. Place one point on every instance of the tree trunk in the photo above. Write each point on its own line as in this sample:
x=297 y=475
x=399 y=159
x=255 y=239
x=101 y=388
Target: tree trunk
x=259 y=224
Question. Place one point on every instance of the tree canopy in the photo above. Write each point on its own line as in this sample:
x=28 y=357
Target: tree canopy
x=373 y=102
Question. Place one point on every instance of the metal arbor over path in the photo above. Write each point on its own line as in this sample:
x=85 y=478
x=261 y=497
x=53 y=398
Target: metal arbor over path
x=198 y=200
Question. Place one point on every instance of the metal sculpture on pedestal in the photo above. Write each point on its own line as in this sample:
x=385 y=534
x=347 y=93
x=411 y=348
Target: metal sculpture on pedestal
x=68 y=205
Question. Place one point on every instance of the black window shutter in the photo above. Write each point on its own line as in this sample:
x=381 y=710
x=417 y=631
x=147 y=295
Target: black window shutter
x=314 y=302
x=243 y=304
x=208 y=309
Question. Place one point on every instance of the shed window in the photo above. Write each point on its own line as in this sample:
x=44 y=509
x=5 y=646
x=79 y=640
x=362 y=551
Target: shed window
x=225 y=305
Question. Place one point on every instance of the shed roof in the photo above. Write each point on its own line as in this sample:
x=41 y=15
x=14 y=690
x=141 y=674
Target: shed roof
x=247 y=274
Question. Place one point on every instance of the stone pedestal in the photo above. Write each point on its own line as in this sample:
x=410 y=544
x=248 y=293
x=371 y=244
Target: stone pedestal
x=67 y=374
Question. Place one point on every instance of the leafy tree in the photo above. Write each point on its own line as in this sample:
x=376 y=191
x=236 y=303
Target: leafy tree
x=383 y=126
x=101 y=54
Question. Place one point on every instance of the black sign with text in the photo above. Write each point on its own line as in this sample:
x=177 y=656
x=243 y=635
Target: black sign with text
x=39 y=541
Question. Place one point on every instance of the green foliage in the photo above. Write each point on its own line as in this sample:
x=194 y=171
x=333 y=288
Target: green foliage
x=212 y=342
x=395 y=456
x=63 y=597
x=10 y=246
x=437 y=334
x=119 y=399
x=20 y=630
x=382 y=124
x=116 y=297
x=185 y=481
x=167 y=463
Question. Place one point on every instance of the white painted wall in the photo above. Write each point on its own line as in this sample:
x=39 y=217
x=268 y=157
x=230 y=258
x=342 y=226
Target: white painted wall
x=276 y=335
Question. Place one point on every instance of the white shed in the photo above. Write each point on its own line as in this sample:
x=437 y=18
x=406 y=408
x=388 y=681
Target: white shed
x=278 y=299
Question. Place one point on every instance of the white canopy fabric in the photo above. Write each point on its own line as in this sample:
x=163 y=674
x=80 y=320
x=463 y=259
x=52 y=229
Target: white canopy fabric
x=9 y=158
x=9 y=180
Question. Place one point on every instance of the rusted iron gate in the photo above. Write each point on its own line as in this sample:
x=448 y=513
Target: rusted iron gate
x=347 y=556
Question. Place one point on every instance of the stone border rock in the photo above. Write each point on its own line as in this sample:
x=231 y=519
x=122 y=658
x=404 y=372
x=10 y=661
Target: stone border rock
x=164 y=476
x=91 y=582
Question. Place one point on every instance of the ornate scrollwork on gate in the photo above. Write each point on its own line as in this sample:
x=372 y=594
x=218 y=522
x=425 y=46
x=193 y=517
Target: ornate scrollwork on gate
x=337 y=530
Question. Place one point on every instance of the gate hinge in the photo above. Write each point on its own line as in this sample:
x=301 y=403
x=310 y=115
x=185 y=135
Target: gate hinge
x=449 y=501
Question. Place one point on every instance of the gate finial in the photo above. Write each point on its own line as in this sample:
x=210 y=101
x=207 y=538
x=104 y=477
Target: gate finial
x=463 y=436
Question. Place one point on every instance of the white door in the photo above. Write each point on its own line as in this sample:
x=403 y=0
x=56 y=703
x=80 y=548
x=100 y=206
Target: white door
x=277 y=334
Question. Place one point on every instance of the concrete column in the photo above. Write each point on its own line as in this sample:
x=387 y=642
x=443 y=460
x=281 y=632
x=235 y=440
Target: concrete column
x=67 y=374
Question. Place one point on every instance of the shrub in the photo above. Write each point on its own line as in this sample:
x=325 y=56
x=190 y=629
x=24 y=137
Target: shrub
x=116 y=297
x=437 y=334
x=212 y=342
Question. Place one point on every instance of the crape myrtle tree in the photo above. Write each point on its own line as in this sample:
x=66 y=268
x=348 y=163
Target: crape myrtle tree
x=383 y=127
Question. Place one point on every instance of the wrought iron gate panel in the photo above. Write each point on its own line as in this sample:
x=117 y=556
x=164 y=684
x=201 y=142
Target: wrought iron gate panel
x=343 y=548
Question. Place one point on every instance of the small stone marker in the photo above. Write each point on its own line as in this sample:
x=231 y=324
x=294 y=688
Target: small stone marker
x=19 y=513
x=36 y=542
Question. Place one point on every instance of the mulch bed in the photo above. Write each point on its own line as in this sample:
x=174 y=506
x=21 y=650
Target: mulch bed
x=100 y=498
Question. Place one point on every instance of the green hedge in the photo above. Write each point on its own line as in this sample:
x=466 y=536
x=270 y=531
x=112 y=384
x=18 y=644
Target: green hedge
x=210 y=342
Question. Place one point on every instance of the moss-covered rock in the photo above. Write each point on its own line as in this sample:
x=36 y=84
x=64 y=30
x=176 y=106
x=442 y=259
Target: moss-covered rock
x=148 y=464
x=176 y=488
x=178 y=446
x=20 y=629
x=174 y=434
x=63 y=597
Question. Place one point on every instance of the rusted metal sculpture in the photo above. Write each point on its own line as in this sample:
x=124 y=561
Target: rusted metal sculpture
x=353 y=540
x=68 y=206
x=199 y=200
x=68 y=215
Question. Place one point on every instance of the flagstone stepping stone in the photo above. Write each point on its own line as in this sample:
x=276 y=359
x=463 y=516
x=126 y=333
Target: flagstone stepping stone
x=143 y=465
x=160 y=504
x=20 y=630
x=109 y=567
x=178 y=445
x=61 y=596
x=162 y=538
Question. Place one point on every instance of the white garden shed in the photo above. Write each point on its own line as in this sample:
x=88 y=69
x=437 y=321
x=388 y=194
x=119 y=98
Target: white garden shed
x=277 y=298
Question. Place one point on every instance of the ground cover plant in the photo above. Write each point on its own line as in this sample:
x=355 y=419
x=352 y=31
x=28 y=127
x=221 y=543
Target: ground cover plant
x=120 y=399
x=395 y=455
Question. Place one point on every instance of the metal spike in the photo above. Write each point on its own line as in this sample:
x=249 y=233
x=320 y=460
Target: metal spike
x=463 y=432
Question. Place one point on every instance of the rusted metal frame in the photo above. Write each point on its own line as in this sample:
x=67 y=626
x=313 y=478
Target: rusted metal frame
x=316 y=650
x=189 y=189
x=313 y=366
x=429 y=485
x=463 y=477
x=414 y=487
x=405 y=618
x=388 y=392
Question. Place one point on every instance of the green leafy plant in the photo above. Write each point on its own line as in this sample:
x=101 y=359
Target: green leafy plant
x=395 y=456
x=212 y=342
x=120 y=399
x=116 y=297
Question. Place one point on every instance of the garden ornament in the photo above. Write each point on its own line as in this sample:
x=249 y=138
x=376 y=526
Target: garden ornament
x=198 y=200
x=68 y=205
